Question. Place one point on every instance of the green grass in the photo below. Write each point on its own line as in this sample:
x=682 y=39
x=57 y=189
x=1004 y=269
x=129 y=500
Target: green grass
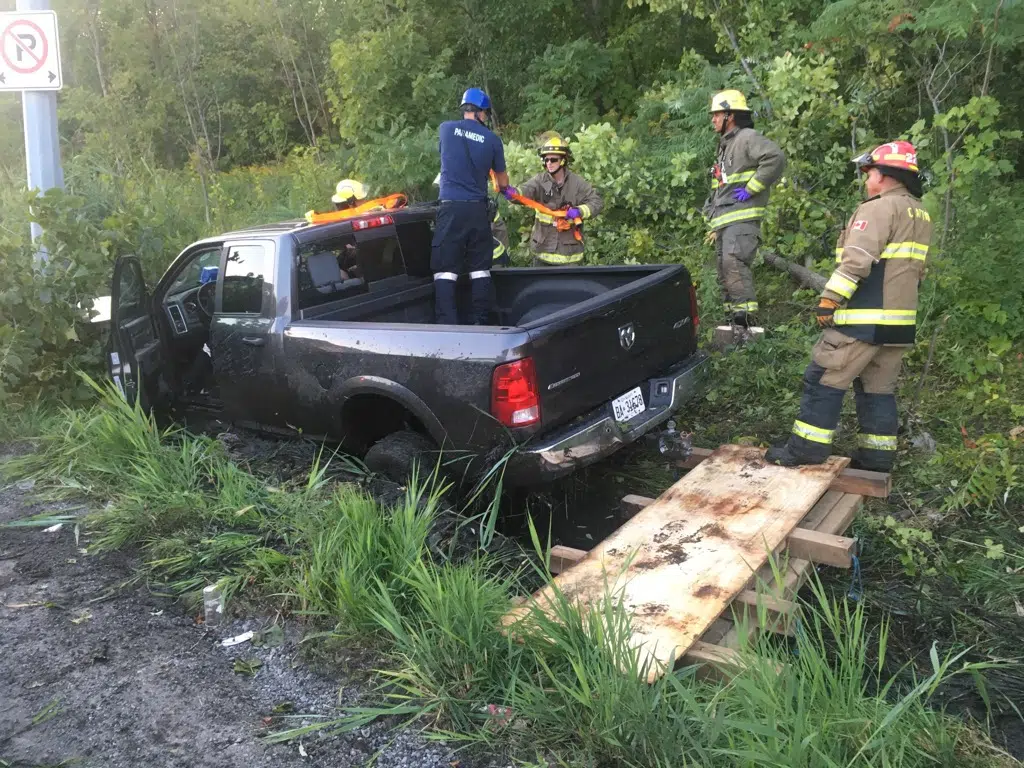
x=571 y=686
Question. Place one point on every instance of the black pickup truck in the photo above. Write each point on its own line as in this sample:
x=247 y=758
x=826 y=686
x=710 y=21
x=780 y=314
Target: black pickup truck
x=328 y=331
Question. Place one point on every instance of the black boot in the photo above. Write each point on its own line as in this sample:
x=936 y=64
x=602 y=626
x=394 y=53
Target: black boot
x=859 y=462
x=744 y=319
x=783 y=456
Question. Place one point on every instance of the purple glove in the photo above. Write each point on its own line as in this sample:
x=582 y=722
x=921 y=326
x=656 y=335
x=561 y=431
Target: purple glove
x=510 y=192
x=741 y=195
x=573 y=214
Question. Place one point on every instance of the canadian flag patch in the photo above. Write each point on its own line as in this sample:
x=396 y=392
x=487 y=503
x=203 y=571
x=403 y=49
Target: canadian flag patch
x=860 y=225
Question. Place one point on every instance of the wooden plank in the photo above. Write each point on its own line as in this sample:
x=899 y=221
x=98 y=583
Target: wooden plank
x=864 y=483
x=841 y=515
x=833 y=514
x=804 y=544
x=752 y=599
x=562 y=557
x=821 y=510
x=822 y=548
x=859 y=481
x=679 y=563
x=828 y=516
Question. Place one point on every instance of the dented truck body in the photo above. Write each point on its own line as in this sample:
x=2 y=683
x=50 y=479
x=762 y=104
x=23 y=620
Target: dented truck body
x=328 y=331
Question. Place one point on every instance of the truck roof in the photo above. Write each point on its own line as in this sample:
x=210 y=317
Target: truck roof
x=293 y=225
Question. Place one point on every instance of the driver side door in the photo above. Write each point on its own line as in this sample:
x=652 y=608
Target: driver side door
x=136 y=353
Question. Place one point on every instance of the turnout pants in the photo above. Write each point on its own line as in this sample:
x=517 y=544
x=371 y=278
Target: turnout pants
x=838 y=361
x=462 y=244
x=736 y=247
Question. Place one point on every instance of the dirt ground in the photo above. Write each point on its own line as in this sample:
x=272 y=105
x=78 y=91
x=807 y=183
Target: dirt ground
x=95 y=674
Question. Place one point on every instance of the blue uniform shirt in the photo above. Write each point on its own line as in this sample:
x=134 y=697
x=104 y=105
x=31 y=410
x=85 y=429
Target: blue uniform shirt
x=464 y=175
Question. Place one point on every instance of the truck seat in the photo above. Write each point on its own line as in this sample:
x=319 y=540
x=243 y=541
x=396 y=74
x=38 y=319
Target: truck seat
x=324 y=271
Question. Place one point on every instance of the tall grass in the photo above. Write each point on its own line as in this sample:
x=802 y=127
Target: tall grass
x=568 y=683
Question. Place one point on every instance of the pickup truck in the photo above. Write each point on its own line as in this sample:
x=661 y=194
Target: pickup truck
x=327 y=330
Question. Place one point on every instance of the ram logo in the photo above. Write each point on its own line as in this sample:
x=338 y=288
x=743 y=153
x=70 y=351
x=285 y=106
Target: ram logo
x=627 y=335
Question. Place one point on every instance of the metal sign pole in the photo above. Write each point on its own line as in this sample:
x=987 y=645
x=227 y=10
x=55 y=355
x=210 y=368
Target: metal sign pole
x=42 y=145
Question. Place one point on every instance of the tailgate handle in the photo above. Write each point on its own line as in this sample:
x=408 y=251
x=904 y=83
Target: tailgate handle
x=254 y=341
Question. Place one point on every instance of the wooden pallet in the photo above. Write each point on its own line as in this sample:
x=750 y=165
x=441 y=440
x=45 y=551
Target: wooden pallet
x=815 y=540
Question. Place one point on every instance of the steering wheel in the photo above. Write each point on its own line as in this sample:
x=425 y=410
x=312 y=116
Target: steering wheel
x=204 y=299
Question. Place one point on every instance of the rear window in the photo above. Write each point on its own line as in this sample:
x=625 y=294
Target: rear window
x=328 y=271
x=380 y=258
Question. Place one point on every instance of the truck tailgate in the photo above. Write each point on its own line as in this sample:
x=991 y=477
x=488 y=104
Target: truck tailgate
x=598 y=350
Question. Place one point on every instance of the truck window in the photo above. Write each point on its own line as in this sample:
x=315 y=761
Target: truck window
x=380 y=258
x=328 y=271
x=192 y=273
x=243 y=279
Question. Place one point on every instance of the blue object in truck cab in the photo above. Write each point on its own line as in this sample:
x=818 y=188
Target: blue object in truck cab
x=208 y=275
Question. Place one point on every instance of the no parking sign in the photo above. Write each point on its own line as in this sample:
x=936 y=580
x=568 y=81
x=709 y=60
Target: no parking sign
x=29 y=52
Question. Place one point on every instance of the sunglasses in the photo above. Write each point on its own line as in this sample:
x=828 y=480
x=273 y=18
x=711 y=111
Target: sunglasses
x=552 y=160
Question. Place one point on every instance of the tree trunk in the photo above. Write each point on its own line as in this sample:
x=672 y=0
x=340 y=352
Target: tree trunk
x=802 y=274
x=94 y=33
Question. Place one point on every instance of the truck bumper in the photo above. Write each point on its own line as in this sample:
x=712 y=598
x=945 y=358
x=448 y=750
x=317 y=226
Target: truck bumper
x=597 y=434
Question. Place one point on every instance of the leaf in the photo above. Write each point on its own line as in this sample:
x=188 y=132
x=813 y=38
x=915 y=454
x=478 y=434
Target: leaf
x=994 y=551
x=247 y=667
x=271 y=637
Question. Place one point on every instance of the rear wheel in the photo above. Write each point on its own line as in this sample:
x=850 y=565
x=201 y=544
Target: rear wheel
x=396 y=455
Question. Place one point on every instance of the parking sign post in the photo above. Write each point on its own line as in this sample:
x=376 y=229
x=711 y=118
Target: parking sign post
x=30 y=63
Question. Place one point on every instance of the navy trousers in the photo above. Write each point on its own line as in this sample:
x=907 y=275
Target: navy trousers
x=462 y=245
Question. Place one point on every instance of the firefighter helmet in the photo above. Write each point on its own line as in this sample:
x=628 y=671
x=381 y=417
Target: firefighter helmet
x=895 y=154
x=551 y=143
x=349 y=189
x=475 y=97
x=729 y=101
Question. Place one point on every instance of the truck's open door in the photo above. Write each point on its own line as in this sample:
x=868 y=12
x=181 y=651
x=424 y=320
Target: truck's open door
x=135 y=350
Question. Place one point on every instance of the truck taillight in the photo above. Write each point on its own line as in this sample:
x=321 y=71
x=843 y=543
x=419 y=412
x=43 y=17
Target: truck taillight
x=515 y=401
x=693 y=308
x=371 y=222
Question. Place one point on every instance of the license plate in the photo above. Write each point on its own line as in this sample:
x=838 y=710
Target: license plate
x=626 y=406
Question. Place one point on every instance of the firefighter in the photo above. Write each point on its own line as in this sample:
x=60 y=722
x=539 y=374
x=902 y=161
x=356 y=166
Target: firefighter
x=499 y=236
x=869 y=314
x=558 y=188
x=348 y=194
x=748 y=164
x=462 y=236
x=500 y=256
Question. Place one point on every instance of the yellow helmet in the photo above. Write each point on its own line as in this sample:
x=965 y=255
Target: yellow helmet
x=729 y=101
x=551 y=143
x=349 y=189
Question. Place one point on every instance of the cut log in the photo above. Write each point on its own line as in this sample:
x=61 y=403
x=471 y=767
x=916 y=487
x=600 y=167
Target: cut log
x=804 y=275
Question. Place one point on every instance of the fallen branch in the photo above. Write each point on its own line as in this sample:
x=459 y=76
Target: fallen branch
x=804 y=275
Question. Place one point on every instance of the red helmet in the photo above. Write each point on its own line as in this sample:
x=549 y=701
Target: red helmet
x=895 y=154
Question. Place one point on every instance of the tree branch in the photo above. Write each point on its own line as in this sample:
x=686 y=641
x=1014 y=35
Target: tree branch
x=743 y=62
x=805 y=276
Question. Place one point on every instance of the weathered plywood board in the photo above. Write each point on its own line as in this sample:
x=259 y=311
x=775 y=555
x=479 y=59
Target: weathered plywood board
x=679 y=563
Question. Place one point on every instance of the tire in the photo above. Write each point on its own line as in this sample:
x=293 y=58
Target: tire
x=396 y=455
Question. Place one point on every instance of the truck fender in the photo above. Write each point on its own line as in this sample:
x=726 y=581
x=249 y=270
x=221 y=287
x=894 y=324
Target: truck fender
x=376 y=385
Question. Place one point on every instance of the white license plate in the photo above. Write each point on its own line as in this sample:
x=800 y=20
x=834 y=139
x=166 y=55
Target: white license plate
x=628 y=405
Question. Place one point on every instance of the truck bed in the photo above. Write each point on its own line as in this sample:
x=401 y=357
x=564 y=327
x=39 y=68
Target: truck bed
x=524 y=296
